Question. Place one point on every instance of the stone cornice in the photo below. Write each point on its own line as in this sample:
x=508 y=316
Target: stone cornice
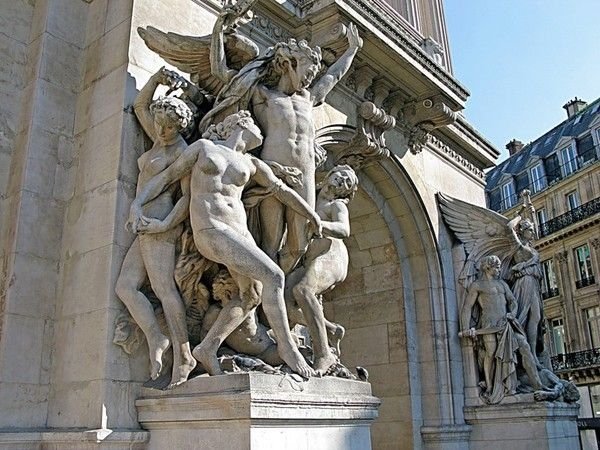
x=395 y=28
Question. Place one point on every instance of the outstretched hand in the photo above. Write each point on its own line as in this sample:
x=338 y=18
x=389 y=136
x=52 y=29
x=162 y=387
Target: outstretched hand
x=354 y=40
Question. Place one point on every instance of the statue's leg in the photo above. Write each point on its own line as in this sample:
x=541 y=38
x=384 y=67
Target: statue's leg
x=529 y=361
x=297 y=239
x=272 y=226
x=489 y=341
x=131 y=279
x=242 y=256
x=533 y=322
x=159 y=258
x=229 y=318
x=315 y=281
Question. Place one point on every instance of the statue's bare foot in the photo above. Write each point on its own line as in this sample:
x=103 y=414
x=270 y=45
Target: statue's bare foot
x=323 y=363
x=157 y=347
x=208 y=359
x=336 y=337
x=296 y=362
x=181 y=373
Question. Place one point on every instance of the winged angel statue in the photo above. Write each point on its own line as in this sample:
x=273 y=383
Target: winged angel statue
x=501 y=276
x=225 y=264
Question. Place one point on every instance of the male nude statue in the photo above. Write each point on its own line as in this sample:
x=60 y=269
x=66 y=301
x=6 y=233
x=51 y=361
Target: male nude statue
x=500 y=330
x=279 y=91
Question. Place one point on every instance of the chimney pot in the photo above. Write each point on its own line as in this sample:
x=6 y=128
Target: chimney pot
x=574 y=106
x=514 y=147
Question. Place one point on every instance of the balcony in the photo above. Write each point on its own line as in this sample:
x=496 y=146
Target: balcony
x=550 y=293
x=570 y=217
x=576 y=361
x=585 y=282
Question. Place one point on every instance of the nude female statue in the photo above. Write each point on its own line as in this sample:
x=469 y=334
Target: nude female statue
x=325 y=264
x=152 y=254
x=220 y=169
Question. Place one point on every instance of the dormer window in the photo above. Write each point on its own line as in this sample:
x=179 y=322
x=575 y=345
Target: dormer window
x=536 y=175
x=509 y=198
x=568 y=160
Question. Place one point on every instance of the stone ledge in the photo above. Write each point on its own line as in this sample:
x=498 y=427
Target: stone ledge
x=75 y=439
x=259 y=397
x=524 y=410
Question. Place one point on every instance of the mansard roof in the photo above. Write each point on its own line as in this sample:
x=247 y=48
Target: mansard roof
x=545 y=144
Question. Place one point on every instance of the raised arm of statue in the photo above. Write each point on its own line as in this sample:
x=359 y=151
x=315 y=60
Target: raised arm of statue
x=141 y=106
x=218 y=57
x=338 y=69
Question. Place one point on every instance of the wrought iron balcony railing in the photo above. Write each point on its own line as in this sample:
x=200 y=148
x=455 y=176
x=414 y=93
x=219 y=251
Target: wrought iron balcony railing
x=570 y=217
x=585 y=282
x=577 y=360
x=550 y=293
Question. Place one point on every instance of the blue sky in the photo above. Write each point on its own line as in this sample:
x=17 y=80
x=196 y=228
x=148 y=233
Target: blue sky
x=522 y=60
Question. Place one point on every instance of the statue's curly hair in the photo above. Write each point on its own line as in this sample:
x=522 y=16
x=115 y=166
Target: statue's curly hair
x=488 y=262
x=222 y=130
x=288 y=52
x=175 y=109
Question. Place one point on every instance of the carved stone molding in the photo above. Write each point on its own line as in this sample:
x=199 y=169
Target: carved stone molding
x=443 y=148
x=368 y=142
x=270 y=29
x=562 y=256
x=418 y=118
x=596 y=243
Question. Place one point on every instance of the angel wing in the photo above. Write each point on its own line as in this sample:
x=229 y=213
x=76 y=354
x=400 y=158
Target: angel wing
x=482 y=232
x=191 y=54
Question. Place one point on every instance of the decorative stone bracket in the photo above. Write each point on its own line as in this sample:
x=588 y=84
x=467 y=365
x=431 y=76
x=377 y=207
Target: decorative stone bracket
x=418 y=119
x=368 y=142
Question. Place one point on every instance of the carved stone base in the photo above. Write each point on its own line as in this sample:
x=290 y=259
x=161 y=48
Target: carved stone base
x=523 y=425
x=57 y=439
x=260 y=412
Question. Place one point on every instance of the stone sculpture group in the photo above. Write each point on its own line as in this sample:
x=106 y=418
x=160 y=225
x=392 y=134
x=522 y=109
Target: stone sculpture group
x=502 y=308
x=235 y=238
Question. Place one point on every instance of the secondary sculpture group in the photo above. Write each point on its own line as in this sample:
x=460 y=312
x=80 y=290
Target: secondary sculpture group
x=235 y=241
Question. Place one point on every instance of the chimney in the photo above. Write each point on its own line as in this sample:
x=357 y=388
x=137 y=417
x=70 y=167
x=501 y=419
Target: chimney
x=514 y=147
x=574 y=106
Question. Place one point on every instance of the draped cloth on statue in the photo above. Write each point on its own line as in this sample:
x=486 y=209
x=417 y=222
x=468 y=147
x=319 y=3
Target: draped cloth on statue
x=505 y=375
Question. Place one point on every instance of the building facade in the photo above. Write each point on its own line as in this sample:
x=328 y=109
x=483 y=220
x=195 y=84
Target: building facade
x=561 y=169
x=69 y=144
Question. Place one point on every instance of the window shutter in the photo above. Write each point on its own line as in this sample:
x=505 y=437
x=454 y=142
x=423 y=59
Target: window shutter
x=522 y=182
x=585 y=149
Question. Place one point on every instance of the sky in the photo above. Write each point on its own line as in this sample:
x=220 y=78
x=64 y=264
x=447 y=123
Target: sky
x=522 y=60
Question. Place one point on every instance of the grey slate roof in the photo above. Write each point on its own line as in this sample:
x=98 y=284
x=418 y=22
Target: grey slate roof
x=544 y=145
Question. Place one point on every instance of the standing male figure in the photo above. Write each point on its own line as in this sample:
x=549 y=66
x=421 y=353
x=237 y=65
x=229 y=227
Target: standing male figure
x=501 y=332
x=279 y=91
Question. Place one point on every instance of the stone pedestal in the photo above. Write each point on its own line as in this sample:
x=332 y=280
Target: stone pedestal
x=260 y=412
x=523 y=424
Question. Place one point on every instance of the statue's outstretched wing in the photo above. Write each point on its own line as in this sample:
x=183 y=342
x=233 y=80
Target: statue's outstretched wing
x=483 y=233
x=191 y=54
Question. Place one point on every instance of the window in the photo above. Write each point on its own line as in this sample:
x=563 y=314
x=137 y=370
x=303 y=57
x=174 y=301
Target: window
x=558 y=336
x=509 y=197
x=586 y=149
x=568 y=158
x=572 y=200
x=541 y=216
x=593 y=324
x=583 y=266
x=549 y=285
x=537 y=178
